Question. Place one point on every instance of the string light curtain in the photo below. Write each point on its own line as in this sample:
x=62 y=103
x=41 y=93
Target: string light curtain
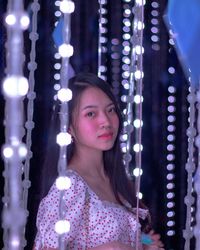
x=135 y=75
x=15 y=87
x=62 y=226
x=32 y=66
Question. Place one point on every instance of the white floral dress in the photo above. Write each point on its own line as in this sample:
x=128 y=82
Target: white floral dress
x=93 y=222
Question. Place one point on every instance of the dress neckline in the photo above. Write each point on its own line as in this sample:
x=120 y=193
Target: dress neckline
x=106 y=202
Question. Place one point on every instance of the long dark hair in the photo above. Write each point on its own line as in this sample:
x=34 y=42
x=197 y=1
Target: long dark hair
x=113 y=162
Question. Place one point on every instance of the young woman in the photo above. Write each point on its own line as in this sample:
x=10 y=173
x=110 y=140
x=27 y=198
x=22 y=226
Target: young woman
x=100 y=204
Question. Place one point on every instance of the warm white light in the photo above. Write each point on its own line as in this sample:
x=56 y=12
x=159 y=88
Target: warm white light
x=67 y=6
x=66 y=50
x=140 y=2
x=15 y=242
x=140 y=25
x=15 y=86
x=139 y=50
x=138 y=99
x=62 y=226
x=64 y=95
x=138 y=74
x=137 y=172
x=24 y=21
x=10 y=19
x=139 y=195
x=22 y=150
x=63 y=183
x=138 y=123
x=137 y=147
x=63 y=139
x=8 y=152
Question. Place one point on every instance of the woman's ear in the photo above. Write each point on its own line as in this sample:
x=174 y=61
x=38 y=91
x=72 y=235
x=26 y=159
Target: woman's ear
x=71 y=131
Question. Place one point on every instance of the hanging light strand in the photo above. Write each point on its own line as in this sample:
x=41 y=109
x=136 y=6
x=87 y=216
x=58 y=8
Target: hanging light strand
x=32 y=66
x=190 y=168
x=197 y=176
x=102 y=40
x=15 y=87
x=64 y=94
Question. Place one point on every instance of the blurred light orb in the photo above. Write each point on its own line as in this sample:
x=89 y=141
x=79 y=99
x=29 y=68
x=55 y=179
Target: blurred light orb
x=66 y=50
x=62 y=226
x=10 y=19
x=63 y=139
x=8 y=152
x=15 y=86
x=67 y=6
x=63 y=183
x=24 y=21
x=64 y=95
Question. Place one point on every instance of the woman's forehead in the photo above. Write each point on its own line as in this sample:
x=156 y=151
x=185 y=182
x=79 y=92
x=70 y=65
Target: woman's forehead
x=94 y=97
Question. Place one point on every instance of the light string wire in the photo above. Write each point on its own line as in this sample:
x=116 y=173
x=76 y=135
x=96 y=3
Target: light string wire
x=197 y=175
x=63 y=138
x=15 y=87
x=32 y=66
x=190 y=168
x=139 y=86
x=135 y=84
x=99 y=40
x=102 y=40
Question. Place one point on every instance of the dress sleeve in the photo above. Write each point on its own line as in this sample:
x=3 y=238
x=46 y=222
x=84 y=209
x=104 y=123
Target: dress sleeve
x=48 y=213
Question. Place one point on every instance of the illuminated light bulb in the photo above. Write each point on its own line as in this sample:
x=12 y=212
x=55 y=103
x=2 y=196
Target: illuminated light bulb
x=170 y=223
x=170 y=177
x=57 y=13
x=137 y=172
x=140 y=25
x=137 y=147
x=170 y=195
x=140 y=2
x=124 y=137
x=64 y=95
x=63 y=139
x=15 y=242
x=57 y=66
x=22 y=150
x=67 y=6
x=62 y=226
x=171 y=233
x=170 y=214
x=63 y=183
x=139 y=195
x=57 y=76
x=15 y=86
x=138 y=123
x=10 y=19
x=170 y=204
x=139 y=50
x=56 y=86
x=57 y=3
x=24 y=21
x=8 y=152
x=138 y=99
x=138 y=74
x=66 y=50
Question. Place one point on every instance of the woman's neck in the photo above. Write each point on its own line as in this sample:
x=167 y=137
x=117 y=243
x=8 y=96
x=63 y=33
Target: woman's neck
x=90 y=164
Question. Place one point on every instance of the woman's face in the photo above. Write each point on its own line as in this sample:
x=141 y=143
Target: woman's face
x=95 y=121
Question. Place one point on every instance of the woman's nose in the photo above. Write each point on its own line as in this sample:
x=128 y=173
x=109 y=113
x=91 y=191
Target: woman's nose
x=105 y=120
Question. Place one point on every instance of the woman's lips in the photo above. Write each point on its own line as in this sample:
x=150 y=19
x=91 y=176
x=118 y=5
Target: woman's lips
x=106 y=136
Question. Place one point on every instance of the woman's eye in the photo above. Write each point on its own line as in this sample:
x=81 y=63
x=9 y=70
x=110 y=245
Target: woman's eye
x=112 y=110
x=90 y=114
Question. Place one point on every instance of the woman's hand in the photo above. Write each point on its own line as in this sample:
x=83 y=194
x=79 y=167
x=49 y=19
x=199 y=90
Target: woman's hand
x=156 y=244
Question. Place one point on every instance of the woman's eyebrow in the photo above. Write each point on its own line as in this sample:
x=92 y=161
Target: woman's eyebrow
x=96 y=106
